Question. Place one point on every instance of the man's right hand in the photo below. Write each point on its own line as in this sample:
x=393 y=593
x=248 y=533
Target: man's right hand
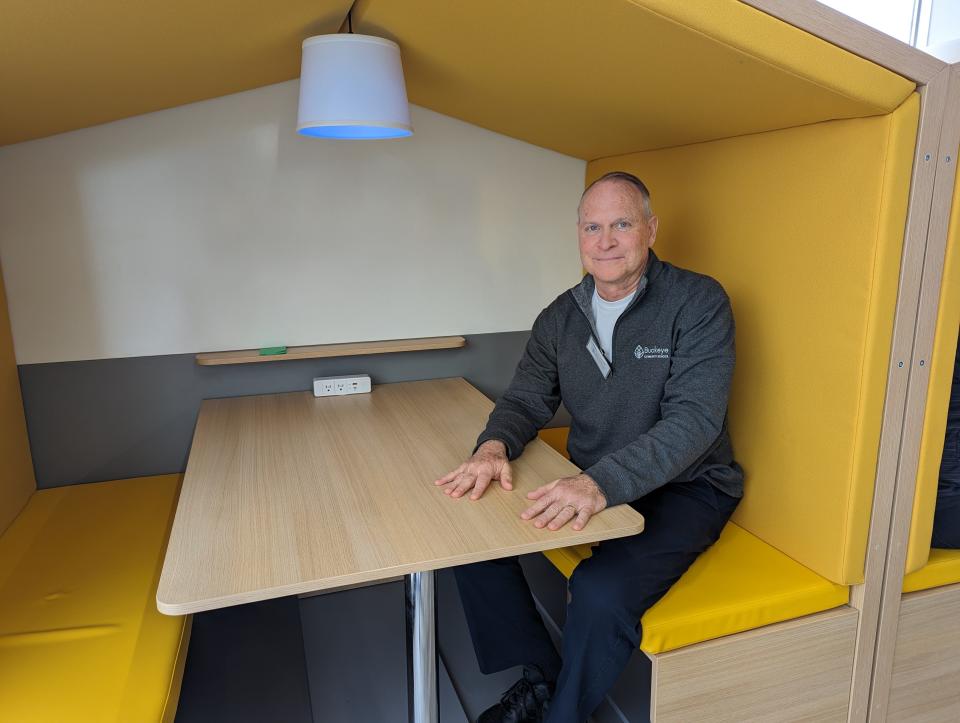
x=488 y=463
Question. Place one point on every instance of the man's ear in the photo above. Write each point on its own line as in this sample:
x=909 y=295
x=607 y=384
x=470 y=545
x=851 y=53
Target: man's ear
x=653 y=223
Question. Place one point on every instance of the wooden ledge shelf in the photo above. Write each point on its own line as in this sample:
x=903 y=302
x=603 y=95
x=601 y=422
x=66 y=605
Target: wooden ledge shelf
x=357 y=348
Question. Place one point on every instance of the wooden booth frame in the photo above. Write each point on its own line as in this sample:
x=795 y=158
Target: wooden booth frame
x=839 y=663
x=878 y=599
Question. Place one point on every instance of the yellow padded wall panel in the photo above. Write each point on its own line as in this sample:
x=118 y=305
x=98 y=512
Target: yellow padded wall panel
x=607 y=77
x=752 y=31
x=74 y=65
x=804 y=228
x=16 y=466
x=938 y=397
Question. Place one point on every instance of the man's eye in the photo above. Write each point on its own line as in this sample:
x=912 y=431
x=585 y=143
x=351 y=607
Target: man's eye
x=623 y=224
x=591 y=228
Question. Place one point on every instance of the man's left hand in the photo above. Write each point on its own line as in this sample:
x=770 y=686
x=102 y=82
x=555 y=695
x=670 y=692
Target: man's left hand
x=575 y=498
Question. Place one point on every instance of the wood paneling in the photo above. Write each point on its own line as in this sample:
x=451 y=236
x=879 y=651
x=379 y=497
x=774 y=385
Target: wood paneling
x=926 y=668
x=251 y=356
x=922 y=274
x=797 y=670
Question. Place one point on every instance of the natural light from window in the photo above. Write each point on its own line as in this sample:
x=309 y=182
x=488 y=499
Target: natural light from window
x=894 y=17
x=922 y=23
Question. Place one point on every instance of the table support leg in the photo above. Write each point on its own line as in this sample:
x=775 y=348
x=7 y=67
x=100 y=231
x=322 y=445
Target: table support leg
x=422 y=691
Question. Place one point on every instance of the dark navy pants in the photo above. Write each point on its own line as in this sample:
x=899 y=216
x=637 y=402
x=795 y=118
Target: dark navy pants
x=610 y=592
x=946 y=523
x=946 y=520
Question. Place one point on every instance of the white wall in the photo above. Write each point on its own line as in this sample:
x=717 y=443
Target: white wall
x=213 y=226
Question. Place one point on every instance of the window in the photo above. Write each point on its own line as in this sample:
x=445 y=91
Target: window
x=922 y=23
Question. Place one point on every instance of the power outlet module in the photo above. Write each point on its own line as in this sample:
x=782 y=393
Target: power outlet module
x=338 y=386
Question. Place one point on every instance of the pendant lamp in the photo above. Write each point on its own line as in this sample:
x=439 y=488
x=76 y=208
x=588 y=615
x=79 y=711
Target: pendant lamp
x=351 y=86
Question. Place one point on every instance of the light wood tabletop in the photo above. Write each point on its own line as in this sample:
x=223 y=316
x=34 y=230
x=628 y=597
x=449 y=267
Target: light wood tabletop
x=288 y=493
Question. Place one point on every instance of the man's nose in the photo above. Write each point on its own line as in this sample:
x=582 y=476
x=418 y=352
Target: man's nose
x=606 y=239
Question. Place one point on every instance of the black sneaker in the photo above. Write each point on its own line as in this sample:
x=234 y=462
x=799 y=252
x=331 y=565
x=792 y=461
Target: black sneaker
x=525 y=702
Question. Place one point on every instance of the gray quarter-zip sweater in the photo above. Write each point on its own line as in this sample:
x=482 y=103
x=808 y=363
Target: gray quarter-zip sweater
x=656 y=412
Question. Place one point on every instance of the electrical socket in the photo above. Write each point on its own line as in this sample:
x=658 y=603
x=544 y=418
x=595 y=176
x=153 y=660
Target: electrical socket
x=339 y=386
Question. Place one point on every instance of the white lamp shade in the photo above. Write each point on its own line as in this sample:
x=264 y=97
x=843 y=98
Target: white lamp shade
x=351 y=86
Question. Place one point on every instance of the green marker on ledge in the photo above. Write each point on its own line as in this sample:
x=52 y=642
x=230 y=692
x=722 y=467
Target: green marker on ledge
x=273 y=350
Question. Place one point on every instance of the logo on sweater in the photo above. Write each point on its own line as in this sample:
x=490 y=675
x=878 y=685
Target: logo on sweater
x=651 y=352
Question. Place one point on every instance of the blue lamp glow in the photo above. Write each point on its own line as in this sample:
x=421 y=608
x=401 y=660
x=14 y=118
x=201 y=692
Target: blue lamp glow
x=351 y=86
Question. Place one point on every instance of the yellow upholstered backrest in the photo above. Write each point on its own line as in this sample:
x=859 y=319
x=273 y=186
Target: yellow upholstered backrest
x=938 y=397
x=556 y=437
x=16 y=466
x=804 y=228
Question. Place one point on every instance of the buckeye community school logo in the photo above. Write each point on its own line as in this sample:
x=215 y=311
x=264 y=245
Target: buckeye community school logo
x=651 y=352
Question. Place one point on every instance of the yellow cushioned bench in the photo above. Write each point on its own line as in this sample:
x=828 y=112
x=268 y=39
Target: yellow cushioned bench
x=942 y=568
x=740 y=583
x=80 y=635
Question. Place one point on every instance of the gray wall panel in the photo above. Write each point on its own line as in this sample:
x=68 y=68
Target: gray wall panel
x=114 y=418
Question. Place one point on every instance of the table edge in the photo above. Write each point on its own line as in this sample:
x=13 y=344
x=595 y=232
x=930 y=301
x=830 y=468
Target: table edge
x=215 y=603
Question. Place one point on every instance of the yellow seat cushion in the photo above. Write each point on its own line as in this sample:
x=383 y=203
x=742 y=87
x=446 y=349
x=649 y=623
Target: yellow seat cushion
x=942 y=568
x=740 y=583
x=80 y=635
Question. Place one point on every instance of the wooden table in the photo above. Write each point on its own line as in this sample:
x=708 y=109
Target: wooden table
x=288 y=493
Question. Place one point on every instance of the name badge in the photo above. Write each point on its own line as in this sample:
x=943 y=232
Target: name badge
x=601 y=361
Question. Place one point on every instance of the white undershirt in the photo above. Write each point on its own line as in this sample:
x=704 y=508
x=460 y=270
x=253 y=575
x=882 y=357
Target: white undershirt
x=605 y=315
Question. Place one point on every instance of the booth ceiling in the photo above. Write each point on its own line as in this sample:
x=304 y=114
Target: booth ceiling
x=589 y=79
x=68 y=65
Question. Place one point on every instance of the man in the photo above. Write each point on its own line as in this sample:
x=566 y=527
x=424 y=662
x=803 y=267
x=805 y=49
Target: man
x=641 y=353
x=946 y=519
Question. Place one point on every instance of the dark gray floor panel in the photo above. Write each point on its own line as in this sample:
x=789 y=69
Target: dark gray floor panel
x=355 y=644
x=549 y=586
x=477 y=691
x=245 y=664
x=355 y=649
x=629 y=701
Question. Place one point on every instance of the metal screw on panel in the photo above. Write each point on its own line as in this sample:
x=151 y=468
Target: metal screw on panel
x=900 y=364
x=926 y=157
x=921 y=362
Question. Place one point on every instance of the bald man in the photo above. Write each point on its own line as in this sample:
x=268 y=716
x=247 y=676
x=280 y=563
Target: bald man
x=641 y=353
